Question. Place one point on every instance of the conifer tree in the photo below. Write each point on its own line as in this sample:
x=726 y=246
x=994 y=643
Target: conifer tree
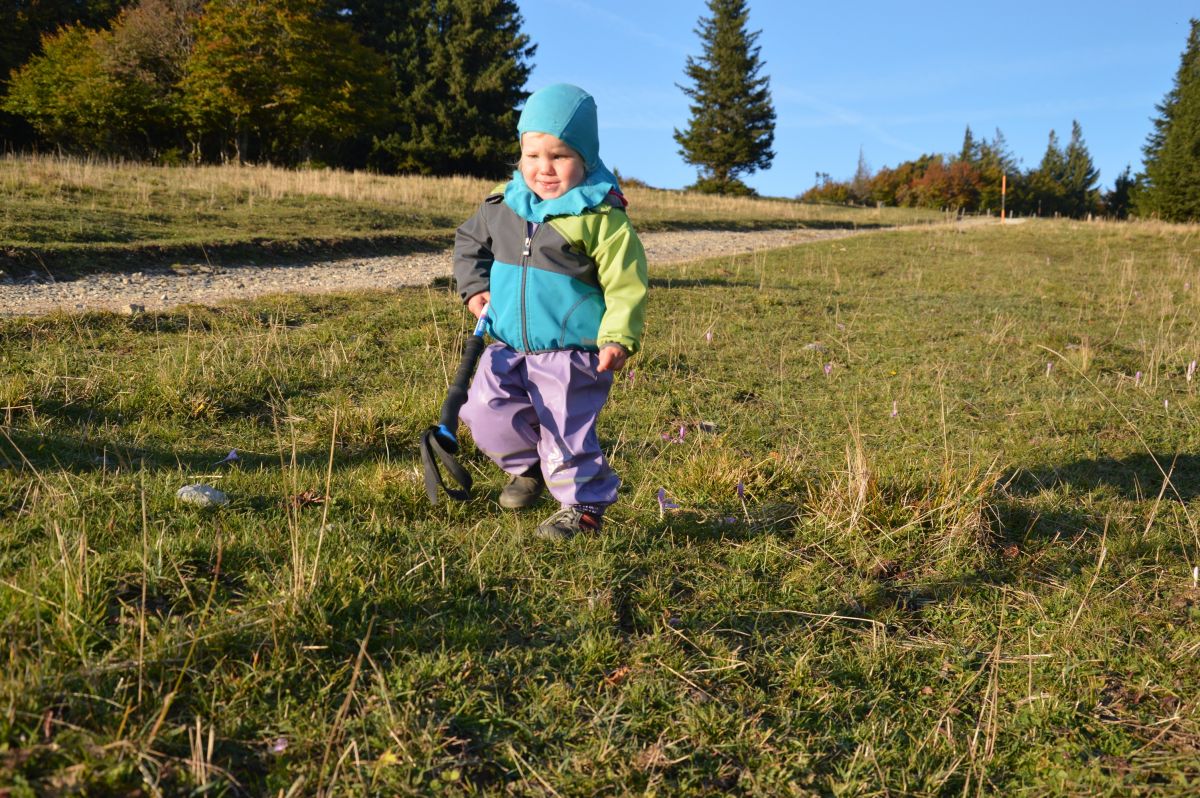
x=1116 y=201
x=1080 y=177
x=459 y=68
x=860 y=184
x=970 y=147
x=732 y=124
x=1047 y=182
x=994 y=163
x=1169 y=186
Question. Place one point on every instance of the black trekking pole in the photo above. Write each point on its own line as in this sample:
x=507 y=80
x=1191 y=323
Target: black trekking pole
x=440 y=443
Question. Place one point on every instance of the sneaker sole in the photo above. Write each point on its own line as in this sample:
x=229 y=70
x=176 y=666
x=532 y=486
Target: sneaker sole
x=553 y=534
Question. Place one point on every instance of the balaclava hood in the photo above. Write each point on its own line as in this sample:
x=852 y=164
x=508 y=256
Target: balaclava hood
x=569 y=113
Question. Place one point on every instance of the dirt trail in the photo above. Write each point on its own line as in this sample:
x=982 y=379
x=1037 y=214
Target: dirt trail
x=163 y=287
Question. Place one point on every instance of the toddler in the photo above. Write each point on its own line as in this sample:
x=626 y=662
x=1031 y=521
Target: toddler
x=554 y=257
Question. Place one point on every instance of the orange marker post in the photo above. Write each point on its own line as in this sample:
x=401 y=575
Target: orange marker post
x=1003 y=192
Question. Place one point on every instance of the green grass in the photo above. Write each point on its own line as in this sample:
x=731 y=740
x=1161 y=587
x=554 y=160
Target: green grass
x=988 y=590
x=69 y=215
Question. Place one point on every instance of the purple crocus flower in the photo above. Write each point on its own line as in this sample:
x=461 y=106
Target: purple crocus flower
x=708 y=336
x=828 y=369
x=230 y=458
x=279 y=745
x=1049 y=368
x=1137 y=378
x=664 y=503
x=895 y=408
x=741 y=490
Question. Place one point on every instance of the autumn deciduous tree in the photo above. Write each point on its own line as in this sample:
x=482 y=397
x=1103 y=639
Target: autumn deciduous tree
x=114 y=91
x=277 y=80
x=25 y=24
x=732 y=125
x=65 y=93
x=427 y=87
x=953 y=186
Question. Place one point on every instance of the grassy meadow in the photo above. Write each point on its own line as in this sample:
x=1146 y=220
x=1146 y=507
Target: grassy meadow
x=73 y=215
x=912 y=513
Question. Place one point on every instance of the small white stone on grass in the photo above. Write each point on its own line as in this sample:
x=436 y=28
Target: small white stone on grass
x=202 y=495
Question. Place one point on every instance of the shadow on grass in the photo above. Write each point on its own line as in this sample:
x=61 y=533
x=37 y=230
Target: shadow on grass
x=25 y=451
x=1136 y=477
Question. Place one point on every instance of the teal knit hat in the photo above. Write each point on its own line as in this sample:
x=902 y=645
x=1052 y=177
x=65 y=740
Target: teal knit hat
x=566 y=112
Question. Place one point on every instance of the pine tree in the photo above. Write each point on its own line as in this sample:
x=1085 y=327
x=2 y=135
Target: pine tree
x=994 y=163
x=1170 y=182
x=970 y=148
x=1116 y=202
x=732 y=124
x=459 y=69
x=1047 y=182
x=1080 y=177
x=860 y=185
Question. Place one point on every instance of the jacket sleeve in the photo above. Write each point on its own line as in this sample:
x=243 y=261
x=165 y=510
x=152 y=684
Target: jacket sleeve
x=473 y=256
x=623 y=274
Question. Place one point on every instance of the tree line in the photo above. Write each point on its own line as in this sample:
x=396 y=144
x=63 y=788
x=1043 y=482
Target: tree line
x=973 y=180
x=425 y=88
x=431 y=87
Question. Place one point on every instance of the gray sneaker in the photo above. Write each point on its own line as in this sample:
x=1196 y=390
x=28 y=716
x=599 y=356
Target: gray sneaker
x=523 y=490
x=567 y=523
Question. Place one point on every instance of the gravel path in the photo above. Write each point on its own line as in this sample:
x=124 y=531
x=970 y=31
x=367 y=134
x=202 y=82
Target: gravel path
x=154 y=289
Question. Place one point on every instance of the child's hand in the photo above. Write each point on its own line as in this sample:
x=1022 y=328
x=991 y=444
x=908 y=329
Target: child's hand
x=477 y=302
x=612 y=357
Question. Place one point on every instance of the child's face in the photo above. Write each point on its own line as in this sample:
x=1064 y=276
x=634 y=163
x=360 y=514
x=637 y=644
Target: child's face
x=550 y=167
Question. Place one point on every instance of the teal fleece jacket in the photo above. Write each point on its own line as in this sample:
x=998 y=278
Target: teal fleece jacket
x=578 y=282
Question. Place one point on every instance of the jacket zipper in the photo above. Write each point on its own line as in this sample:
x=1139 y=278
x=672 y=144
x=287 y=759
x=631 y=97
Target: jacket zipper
x=531 y=230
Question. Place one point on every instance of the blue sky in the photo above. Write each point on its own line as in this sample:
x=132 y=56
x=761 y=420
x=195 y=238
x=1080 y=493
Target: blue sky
x=897 y=80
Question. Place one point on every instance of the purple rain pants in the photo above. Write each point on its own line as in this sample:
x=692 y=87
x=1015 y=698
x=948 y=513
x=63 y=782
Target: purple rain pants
x=524 y=410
